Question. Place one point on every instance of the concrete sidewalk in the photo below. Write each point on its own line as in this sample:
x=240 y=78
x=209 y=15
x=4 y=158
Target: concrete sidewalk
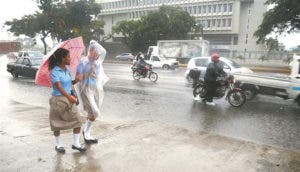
x=131 y=146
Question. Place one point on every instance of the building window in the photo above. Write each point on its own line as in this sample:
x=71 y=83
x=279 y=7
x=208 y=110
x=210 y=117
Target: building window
x=235 y=40
x=195 y=9
x=209 y=9
x=230 y=7
x=224 y=7
x=208 y=23
x=219 y=8
x=214 y=8
x=223 y=22
x=229 y=23
x=218 y=22
x=213 y=22
x=204 y=9
x=190 y=10
x=199 y=9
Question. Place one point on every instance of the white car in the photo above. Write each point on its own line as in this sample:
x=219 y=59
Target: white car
x=160 y=62
x=201 y=63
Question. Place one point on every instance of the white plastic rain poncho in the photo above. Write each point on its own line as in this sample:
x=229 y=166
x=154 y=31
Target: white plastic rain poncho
x=92 y=79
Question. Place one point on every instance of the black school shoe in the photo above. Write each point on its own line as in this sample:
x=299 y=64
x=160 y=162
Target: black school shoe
x=89 y=141
x=60 y=149
x=80 y=149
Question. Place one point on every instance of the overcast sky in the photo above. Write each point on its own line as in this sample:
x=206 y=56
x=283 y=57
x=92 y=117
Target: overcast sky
x=10 y=9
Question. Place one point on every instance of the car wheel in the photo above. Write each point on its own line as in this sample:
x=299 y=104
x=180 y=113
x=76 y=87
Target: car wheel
x=14 y=74
x=250 y=92
x=165 y=67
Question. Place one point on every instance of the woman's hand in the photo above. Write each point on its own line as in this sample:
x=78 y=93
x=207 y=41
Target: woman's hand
x=72 y=99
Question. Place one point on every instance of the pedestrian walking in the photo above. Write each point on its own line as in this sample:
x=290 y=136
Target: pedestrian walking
x=63 y=112
x=91 y=78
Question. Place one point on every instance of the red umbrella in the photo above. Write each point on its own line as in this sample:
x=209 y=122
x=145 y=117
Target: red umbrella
x=76 y=48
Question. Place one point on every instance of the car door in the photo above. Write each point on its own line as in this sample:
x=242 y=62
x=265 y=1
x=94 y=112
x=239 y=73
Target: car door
x=18 y=65
x=201 y=65
x=26 y=68
x=155 y=61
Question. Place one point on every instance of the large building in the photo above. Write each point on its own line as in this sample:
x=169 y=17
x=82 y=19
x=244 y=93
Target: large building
x=227 y=24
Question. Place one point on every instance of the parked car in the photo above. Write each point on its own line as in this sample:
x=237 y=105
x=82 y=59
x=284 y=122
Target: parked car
x=201 y=63
x=125 y=56
x=31 y=54
x=24 y=66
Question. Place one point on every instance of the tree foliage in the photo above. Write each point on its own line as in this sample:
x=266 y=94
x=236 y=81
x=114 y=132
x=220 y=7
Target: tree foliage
x=285 y=16
x=166 y=23
x=61 y=21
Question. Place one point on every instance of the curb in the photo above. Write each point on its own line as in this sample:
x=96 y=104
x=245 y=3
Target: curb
x=268 y=69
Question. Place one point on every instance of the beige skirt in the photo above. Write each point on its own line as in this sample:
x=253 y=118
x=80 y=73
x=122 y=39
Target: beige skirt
x=63 y=115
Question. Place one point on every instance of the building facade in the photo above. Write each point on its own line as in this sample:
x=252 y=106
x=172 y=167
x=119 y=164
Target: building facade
x=227 y=24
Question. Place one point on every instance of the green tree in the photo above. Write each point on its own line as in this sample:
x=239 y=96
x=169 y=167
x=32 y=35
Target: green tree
x=31 y=26
x=166 y=23
x=284 y=16
x=61 y=21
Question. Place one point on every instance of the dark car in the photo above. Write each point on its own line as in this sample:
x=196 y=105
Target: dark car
x=125 y=56
x=24 y=66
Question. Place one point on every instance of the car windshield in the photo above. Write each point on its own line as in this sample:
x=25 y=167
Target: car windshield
x=36 y=61
x=162 y=58
x=233 y=63
x=35 y=54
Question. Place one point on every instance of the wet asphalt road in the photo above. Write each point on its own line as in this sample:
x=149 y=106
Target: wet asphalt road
x=264 y=120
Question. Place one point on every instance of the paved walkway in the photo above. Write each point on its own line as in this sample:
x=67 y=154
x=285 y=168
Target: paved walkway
x=131 y=146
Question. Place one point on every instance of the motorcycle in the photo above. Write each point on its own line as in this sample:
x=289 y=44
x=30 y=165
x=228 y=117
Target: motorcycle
x=143 y=72
x=235 y=95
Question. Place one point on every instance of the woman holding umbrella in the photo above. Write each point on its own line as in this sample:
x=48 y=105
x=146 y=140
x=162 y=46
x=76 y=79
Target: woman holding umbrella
x=91 y=76
x=63 y=113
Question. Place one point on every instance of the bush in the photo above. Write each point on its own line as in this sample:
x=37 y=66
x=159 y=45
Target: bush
x=263 y=58
x=288 y=59
x=240 y=57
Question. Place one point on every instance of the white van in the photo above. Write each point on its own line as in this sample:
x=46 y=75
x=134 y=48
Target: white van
x=201 y=64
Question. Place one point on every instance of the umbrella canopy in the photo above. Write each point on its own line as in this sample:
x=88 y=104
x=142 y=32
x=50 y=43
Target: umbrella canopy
x=76 y=48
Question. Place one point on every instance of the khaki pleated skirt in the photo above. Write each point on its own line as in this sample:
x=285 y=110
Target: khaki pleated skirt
x=63 y=115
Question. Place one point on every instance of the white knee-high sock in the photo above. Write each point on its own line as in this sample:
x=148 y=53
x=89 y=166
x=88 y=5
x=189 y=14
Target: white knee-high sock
x=57 y=141
x=76 y=140
x=87 y=129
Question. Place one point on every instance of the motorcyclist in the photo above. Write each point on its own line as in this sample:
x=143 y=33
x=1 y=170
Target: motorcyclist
x=213 y=70
x=141 y=63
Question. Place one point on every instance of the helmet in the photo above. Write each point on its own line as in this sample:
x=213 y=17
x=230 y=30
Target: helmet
x=215 y=57
x=140 y=55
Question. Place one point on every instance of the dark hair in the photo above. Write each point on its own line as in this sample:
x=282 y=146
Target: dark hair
x=56 y=57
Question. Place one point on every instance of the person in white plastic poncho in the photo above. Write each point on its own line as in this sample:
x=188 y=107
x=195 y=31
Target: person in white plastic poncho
x=91 y=78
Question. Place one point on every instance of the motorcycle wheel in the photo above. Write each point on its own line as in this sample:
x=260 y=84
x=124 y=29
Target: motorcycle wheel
x=153 y=76
x=236 y=98
x=199 y=90
x=136 y=75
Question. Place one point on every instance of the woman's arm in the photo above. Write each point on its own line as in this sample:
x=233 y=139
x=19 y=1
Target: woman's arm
x=71 y=98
